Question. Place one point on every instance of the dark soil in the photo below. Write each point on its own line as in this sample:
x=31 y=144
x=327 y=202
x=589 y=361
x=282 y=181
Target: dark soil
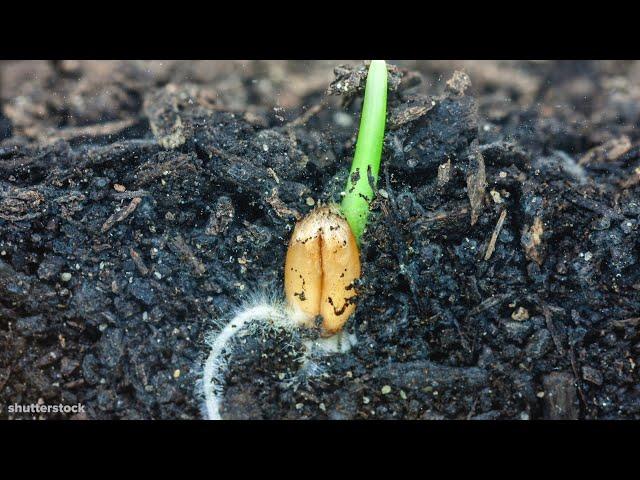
x=142 y=202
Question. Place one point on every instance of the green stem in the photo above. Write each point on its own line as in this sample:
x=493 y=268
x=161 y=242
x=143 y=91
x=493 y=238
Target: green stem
x=363 y=176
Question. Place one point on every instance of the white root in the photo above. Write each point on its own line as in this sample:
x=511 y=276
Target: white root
x=216 y=364
x=212 y=381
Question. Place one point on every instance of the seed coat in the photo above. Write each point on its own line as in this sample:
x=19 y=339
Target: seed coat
x=322 y=264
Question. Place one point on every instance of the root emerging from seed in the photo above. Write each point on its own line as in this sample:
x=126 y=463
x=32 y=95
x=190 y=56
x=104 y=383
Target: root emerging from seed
x=215 y=366
x=260 y=315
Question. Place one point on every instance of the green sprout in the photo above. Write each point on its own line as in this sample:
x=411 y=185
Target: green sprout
x=363 y=176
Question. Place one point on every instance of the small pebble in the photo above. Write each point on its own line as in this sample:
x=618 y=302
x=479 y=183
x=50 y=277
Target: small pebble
x=386 y=390
x=497 y=198
x=521 y=314
x=310 y=201
x=65 y=276
x=119 y=188
x=365 y=400
x=176 y=373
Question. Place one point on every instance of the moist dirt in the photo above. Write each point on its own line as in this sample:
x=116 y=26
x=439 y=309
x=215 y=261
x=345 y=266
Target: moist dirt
x=143 y=203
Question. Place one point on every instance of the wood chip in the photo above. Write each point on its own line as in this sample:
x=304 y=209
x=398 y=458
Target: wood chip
x=494 y=236
x=444 y=173
x=532 y=239
x=476 y=184
x=137 y=259
x=122 y=214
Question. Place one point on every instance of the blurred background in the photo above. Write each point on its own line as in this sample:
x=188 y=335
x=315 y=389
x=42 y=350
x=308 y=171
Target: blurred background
x=40 y=97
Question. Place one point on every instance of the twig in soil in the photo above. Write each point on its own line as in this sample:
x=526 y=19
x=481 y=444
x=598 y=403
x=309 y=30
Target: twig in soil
x=128 y=195
x=306 y=116
x=90 y=131
x=121 y=215
x=443 y=215
x=494 y=236
x=476 y=185
x=488 y=303
x=135 y=256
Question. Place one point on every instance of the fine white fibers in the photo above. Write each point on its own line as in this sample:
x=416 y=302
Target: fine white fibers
x=341 y=342
x=260 y=313
x=212 y=381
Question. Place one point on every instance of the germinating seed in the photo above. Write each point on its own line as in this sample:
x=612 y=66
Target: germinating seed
x=322 y=264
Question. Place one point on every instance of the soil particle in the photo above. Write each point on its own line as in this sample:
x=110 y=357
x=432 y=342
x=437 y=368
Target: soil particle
x=539 y=344
x=560 y=397
x=350 y=80
x=221 y=216
x=31 y=325
x=592 y=375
